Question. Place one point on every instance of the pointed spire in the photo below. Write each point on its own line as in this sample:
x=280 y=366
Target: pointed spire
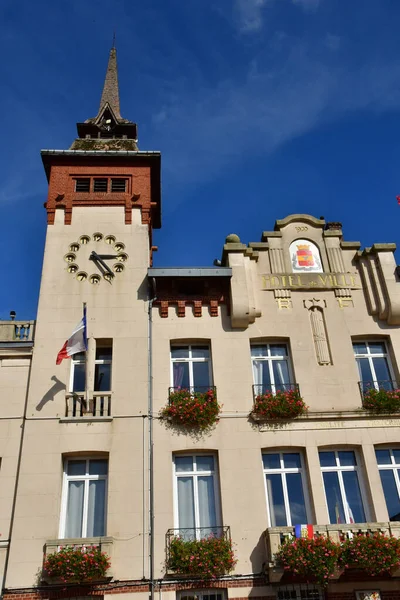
x=110 y=93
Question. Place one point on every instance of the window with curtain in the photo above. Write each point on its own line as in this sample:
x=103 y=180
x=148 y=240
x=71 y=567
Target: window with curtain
x=78 y=372
x=271 y=368
x=196 y=492
x=191 y=367
x=374 y=368
x=102 y=367
x=340 y=472
x=84 y=498
x=285 y=488
x=299 y=592
x=202 y=595
x=389 y=469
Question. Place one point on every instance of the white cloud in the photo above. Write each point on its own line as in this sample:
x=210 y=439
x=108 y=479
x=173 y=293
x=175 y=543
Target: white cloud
x=249 y=14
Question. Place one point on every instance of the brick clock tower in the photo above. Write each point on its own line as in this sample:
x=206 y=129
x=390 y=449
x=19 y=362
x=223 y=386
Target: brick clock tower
x=102 y=205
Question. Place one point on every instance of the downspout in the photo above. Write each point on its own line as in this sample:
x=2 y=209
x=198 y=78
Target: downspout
x=152 y=297
x=14 y=502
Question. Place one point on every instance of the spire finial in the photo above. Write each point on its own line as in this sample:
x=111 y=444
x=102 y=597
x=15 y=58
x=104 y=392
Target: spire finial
x=110 y=90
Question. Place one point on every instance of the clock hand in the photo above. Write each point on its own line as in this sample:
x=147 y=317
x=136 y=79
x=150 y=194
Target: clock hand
x=98 y=262
x=106 y=256
x=105 y=266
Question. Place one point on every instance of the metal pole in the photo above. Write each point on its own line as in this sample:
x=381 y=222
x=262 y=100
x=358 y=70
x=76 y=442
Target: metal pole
x=151 y=457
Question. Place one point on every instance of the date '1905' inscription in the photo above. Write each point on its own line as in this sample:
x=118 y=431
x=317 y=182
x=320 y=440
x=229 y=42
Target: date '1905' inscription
x=324 y=281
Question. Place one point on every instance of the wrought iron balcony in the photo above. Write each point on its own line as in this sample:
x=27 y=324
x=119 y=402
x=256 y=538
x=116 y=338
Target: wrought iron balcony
x=195 y=391
x=274 y=537
x=77 y=406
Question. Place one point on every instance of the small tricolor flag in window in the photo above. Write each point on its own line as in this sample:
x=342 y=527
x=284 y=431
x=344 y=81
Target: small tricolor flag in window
x=398 y=199
x=304 y=531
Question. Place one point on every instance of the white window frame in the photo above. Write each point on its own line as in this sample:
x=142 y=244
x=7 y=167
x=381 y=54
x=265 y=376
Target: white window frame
x=200 y=594
x=190 y=360
x=74 y=362
x=283 y=471
x=296 y=589
x=338 y=468
x=394 y=467
x=86 y=478
x=195 y=474
x=370 y=356
x=102 y=361
x=270 y=359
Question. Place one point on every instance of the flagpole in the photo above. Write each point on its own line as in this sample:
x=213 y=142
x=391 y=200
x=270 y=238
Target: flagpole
x=86 y=362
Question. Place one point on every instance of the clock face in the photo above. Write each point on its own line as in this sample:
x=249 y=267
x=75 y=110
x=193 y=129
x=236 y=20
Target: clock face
x=96 y=257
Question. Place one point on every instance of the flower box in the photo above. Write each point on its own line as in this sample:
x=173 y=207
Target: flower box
x=381 y=400
x=313 y=559
x=72 y=564
x=192 y=409
x=282 y=404
x=208 y=558
x=375 y=554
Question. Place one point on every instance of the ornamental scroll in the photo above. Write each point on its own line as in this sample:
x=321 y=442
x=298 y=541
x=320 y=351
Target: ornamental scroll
x=318 y=327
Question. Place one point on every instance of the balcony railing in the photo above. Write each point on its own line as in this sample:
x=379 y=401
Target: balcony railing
x=382 y=384
x=77 y=406
x=16 y=331
x=275 y=536
x=260 y=389
x=104 y=543
x=197 y=390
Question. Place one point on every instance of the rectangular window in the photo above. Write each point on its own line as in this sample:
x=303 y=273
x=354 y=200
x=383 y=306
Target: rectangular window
x=100 y=185
x=118 y=185
x=197 y=511
x=374 y=366
x=84 y=501
x=299 y=592
x=271 y=368
x=102 y=367
x=342 y=486
x=285 y=488
x=191 y=367
x=78 y=372
x=201 y=595
x=82 y=184
x=389 y=469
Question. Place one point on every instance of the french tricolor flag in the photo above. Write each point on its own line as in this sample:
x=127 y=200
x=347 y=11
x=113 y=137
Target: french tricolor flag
x=77 y=342
x=304 y=531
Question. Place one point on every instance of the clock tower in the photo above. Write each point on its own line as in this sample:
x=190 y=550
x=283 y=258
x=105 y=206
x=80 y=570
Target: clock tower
x=102 y=205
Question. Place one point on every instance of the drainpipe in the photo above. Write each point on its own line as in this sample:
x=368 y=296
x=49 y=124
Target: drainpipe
x=152 y=298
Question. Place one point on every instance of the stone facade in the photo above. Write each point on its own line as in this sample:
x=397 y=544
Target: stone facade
x=302 y=295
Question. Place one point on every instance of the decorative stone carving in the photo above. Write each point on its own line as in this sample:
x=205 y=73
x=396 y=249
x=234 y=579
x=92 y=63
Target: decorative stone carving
x=319 y=331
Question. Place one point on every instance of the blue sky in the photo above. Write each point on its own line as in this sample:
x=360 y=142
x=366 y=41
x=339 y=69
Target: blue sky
x=261 y=108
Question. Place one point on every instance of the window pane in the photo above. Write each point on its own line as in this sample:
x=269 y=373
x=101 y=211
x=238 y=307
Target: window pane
x=353 y=494
x=207 y=514
x=333 y=497
x=360 y=348
x=102 y=378
x=278 y=349
x=396 y=455
x=276 y=501
x=327 y=459
x=291 y=460
x=259 y=351
x=391 y=494
x=98 y=466
x=281 y=374
x=271 y=461
x=78 y=384
x=186 y=504
x=383 y=457
x=73 y=525
x=201 y=378
x=183 y=463
x=180 y=352
x=261 y=376
x=82 y=185
x=381 y=369
x=104 y=353
x=347 y=458
x=377 y=348
x=200 y=352
x=118 y=185
x=100 y=185
x=297 y=505
x=364 y=370
x=76 y=467
x=180 y=372
x=205 y=463
x=96 y=508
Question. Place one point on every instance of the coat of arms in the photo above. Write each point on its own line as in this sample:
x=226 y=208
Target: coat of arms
x=305 y=257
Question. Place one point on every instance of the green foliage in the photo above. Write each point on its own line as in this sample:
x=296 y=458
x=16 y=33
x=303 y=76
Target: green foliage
x=194 y=410
x=77 y=564
x=279 y=405
x=376 y=554
x=209 y=557
x=315 y=559
x=382 y=400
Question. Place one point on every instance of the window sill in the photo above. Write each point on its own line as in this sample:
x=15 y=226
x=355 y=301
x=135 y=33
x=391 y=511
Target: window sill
x=88 y=419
